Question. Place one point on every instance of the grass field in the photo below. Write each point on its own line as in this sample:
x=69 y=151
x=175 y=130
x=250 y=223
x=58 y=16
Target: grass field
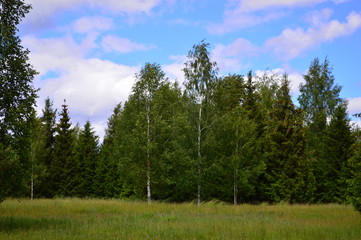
x=114 y=219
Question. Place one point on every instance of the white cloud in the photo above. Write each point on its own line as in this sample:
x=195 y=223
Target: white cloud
x=88 y=24
x=292 y=42
x=230 y=57
x=236 y=20
x=354 y=105
x=44 y=10
x=123 y=45
x=92 y=87
x=295 y=78
x=254 y=5
x=241 y=14
x=175 y=70
x=319 y=17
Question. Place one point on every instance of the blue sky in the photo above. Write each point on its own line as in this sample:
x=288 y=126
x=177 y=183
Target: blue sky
x=88 y=51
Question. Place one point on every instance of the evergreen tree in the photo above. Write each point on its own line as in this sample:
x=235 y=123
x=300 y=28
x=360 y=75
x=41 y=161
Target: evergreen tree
x=287 y=167
x=234 y=172
x=200 y=74
x=318 y=99
x=338 y=141
x=107 y=169
x=65 y=169
x=87 y=156
x=48 y=130
x=17 y=96
x=354 y=187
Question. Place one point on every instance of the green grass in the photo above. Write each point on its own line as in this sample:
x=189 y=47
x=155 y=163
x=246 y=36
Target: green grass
x=114 y=219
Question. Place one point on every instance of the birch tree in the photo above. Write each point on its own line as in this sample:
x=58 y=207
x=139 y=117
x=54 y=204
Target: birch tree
x=148 y=82
x=201 y=76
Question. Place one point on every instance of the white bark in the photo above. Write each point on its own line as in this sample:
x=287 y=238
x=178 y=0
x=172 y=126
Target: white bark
x=149 y=195
x=32 y=180
x=199 y=155
x=235 y=174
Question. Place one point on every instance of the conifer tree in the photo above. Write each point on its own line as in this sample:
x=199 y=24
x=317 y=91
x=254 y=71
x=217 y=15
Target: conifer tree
x=287 y=167
x=48 y=130
x=107 y=169
x=87 y=155
x=354 y=183
x=338 y=141
x=65 y=168
x=318 y=99
x=238 y=162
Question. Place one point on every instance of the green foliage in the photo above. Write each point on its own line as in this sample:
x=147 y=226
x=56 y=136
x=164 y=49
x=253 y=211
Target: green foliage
x=65 y=168
x=107 y=169
x=17 y=98
x=319 y=99
x=287 y=170
x=355 y=167
x=87 y=151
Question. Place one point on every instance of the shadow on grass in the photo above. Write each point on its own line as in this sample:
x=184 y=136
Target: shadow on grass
x=10 y=223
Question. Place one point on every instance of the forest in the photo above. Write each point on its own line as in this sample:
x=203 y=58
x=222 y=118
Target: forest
x=235 y=138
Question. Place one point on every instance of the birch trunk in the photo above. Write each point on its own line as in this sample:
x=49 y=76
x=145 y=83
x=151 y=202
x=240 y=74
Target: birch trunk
x=199 y=155
x=149 y=195
x=235 y=174
x=32 y=180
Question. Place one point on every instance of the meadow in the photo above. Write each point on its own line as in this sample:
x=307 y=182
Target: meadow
x=117 y=219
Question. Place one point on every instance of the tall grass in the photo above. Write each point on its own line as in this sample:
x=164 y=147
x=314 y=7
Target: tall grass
x=115 y=219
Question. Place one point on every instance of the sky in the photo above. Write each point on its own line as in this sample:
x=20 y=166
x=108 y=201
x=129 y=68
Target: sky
x=88 y=51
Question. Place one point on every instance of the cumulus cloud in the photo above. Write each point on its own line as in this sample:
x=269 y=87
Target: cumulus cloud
x=354 y=105
x=44 y=10
x=174 y=70
x=318 y=17
x=292 y=42
x=91 y=86
x=241 y=14
x=123 y=45
x=254 y=5
x=236 y=20
x=295 y=78
x=88 y=24
x=230 y=57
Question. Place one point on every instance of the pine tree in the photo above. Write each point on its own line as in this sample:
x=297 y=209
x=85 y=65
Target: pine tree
x=87 y=155
x=17 y=96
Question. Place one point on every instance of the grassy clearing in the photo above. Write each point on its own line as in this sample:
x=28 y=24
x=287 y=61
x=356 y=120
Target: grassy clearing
x=114 y=219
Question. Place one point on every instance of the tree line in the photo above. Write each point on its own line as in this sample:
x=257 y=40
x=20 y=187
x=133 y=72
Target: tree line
x=235 y=138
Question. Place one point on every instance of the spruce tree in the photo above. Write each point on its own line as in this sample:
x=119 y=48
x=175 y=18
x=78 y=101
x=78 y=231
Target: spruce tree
x=48 y=129
x=87 y=156
x=17 y=96
x=318 y=99
x=65 y=168
x=338 y=141
x=287 y=166
x=354 y=183
x=107 y=170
